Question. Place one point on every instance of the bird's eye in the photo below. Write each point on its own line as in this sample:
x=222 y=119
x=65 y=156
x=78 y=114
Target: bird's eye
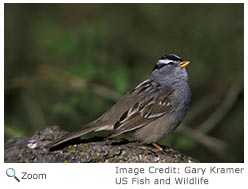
x=170 y=63
x=158 y=66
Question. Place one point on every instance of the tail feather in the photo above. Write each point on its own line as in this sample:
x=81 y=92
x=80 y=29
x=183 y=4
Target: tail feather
x=75 y=134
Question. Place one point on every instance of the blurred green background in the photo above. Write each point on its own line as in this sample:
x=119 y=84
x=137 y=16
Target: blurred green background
x=65 y=64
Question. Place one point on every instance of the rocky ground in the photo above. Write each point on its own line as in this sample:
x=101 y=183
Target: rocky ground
x=33 y=150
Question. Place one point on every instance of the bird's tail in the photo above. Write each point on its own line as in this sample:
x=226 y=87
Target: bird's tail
x=74 y=134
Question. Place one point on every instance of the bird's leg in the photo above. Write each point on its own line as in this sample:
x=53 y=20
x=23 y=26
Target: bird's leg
x=157 y=146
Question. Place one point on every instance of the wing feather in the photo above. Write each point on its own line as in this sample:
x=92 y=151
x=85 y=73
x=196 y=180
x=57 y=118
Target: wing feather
x=153 y=101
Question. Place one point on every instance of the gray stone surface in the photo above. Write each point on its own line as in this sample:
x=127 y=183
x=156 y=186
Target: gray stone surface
x=33 y=150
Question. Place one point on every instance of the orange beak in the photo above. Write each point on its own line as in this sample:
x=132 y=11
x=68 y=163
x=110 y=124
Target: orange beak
x=184 y=63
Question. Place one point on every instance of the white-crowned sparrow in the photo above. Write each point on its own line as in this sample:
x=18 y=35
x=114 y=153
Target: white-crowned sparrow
x=152 y=110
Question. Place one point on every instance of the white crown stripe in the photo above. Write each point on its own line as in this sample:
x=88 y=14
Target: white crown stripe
x=164 y=61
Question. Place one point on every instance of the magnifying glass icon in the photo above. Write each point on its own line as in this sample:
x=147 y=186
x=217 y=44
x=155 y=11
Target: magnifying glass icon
x=10 y=172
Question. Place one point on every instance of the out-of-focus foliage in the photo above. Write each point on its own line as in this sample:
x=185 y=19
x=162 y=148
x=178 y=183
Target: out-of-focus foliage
x=66 y=64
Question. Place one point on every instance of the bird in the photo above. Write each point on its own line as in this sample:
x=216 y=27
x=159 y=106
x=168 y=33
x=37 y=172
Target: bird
x=150 y=111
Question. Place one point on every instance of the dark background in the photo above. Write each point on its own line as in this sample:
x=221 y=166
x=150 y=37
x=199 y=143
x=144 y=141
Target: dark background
x=65 y=64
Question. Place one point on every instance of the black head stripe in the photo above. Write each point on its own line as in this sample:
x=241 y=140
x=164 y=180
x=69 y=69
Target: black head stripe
x=158 y=66
x=169 y=59
x=172 y=57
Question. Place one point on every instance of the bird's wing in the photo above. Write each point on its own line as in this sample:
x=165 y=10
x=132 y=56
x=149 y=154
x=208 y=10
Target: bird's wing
x=152 y=103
